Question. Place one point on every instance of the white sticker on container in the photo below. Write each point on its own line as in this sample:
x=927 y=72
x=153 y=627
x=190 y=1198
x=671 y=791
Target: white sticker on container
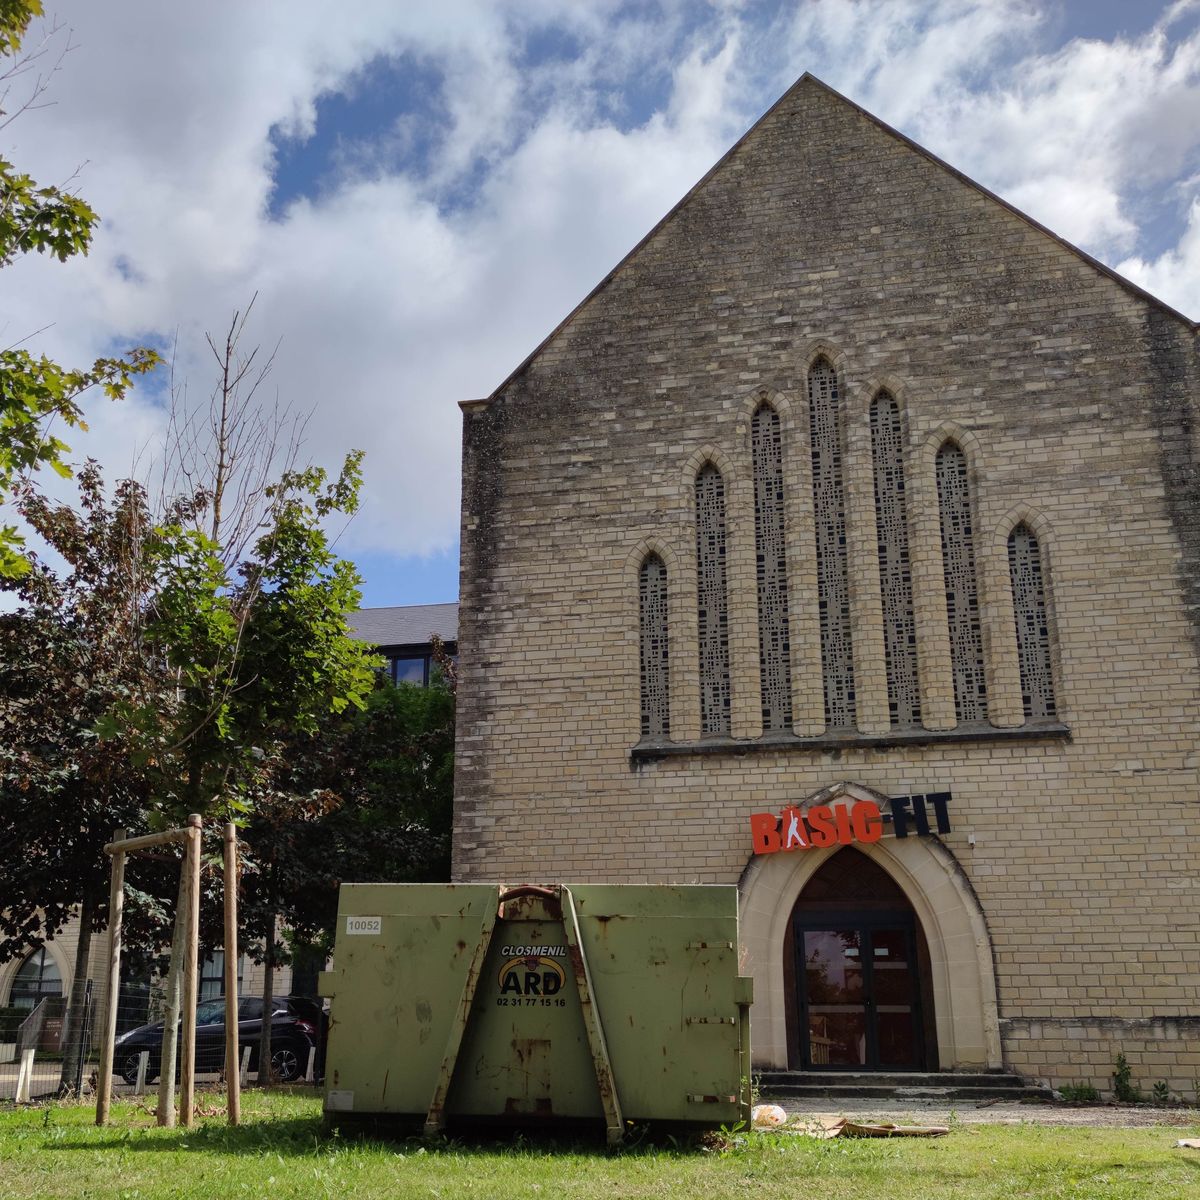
x=339 y=1101
x=364 y=924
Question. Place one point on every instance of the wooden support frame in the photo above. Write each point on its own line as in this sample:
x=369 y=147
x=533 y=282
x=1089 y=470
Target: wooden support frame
x=233 y=1076
x=191 y=972
x=188 y=920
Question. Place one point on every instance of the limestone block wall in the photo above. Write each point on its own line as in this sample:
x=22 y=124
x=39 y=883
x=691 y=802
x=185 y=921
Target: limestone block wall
x=1074 y=399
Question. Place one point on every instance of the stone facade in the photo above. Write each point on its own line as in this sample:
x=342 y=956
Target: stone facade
x=1062 y=909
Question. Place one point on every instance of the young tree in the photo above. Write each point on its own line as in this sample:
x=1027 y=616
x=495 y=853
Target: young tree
x=71 y=647
x=256 y=656
x=34 y=391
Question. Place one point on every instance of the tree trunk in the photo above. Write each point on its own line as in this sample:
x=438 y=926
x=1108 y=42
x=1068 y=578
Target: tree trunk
x=265 y=1074
x=170 y=1042
x=73 y=1024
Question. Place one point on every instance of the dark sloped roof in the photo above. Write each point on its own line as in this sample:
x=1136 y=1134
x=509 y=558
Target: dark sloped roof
x=810 y=80
x=405 y=624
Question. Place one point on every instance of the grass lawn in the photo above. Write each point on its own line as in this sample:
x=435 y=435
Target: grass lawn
x=280 y=1151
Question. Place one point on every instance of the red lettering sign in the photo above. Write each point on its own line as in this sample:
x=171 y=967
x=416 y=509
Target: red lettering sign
x=822 y=826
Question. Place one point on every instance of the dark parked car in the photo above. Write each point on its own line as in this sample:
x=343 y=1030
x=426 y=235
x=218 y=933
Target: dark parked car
x=297 y=1025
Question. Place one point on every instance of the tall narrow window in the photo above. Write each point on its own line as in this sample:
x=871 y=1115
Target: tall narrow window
x=895 y=567
x=962 y=588
x=1033 y=627
x=713 y=605
x=829 y=511
x=774 y=665
x=652 y=597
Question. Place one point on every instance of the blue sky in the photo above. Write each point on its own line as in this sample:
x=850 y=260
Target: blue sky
x=419 y=192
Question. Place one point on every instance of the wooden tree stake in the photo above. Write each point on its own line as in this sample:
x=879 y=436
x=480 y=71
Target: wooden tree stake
x=191 y=869
x=116 y=897
x=233 y=1081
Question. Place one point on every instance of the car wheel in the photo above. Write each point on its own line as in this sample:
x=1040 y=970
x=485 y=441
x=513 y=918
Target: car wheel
x=285 y=1064
x=129 y=1068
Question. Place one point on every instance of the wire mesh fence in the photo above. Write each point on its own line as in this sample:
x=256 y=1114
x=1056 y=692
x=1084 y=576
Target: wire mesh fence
x=43 y=1053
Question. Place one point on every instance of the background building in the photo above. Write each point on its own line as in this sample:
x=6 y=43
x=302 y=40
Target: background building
x=404 y=634
x=853 y=486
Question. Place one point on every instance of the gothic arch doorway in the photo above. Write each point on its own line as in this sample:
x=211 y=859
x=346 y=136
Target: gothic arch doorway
x=965 y=1011
x=856 y=971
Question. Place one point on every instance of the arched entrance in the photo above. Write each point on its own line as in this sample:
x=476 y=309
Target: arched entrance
x=965 y=1012
x=856 y=973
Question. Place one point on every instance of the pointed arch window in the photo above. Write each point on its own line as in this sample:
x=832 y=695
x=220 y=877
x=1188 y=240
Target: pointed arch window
x=1033 y=625
x=833 y=578
x=712 y=601
x=655 y=678
x=774 y=646
x=895 y=564
x=962 y=586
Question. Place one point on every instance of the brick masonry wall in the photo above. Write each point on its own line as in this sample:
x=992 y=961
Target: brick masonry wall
x=1074 y=399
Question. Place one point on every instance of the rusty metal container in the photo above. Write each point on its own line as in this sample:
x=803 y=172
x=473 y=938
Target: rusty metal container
x=475 y=1003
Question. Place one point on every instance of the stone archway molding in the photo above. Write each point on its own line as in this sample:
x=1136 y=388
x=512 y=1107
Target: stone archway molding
x=966 y=1013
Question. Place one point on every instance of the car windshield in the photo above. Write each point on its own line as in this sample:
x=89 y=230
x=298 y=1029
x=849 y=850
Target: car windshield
x=211 y=1012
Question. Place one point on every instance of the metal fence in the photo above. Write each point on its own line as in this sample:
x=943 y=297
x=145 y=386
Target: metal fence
x=41 y=1056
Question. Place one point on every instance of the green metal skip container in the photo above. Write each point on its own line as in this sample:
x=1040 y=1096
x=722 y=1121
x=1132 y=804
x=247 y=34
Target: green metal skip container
x=459 y=1004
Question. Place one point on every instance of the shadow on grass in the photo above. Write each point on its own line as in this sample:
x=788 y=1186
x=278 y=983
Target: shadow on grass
x=300 y=1136
x=286 y=1135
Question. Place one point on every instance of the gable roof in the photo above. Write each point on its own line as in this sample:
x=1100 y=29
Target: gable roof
x=811 y=81
x=406 y=624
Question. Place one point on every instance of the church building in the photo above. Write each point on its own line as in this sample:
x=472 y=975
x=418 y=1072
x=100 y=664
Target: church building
x=844 y=544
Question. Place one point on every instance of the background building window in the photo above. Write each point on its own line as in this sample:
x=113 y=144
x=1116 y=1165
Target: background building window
x=962 y=587
x=713 y=606
x=655 y=679
x=774 y=647
x=411 y=669
x=829 y=517
x=37 y=977
x=895 y=565
x=1033 y=626
x=212 y=975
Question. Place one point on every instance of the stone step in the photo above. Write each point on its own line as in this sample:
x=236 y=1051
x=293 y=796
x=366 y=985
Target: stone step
x=992 y=1079
x=940 y=1087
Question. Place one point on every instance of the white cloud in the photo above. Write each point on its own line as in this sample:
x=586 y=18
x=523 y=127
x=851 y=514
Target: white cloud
x=397 y=293
x=1175 y=274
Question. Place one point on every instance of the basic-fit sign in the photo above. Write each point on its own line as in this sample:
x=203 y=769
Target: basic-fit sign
x=847 y=821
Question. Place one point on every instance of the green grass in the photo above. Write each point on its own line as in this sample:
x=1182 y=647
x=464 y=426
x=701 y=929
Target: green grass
x=280 y=1151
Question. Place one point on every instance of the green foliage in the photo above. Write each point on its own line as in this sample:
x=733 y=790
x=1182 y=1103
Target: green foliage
x=1162 y=1093
x=1079 y=1093
x=367 y=797
x=1123 y=1088
x=69 y=648
x=15 y=16
x=34 y=391
x=256 y=655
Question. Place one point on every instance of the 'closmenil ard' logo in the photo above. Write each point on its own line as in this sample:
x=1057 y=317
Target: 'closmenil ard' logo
x=530 y=971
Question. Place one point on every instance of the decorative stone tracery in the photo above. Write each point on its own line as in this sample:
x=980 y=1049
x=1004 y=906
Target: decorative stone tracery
x=774 y=648
x=712 y=602
x=829 y=511
x=895 y=564
x=655 y=677
x=1033 y=624
x=962 y=585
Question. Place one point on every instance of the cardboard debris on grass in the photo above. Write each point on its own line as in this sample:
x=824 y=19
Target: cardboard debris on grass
x=771 y=1116
x=840 y=1127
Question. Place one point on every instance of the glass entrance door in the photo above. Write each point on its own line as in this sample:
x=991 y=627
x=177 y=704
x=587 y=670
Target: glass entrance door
x=859 y=991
